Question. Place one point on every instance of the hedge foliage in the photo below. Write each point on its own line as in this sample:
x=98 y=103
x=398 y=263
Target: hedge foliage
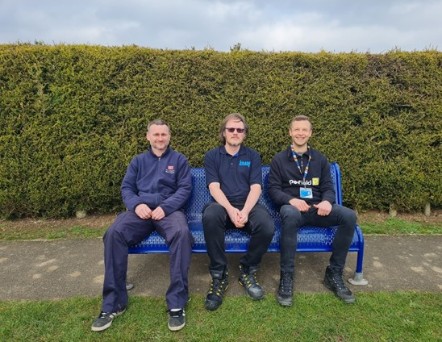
x=72 y=117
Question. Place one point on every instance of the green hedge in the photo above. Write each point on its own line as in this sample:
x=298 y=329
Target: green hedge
x=72 y=117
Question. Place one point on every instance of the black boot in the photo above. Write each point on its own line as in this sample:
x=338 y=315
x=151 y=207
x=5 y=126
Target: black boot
x=285 y=291
x=333 y=281
x=218 y=286
x=247 y=278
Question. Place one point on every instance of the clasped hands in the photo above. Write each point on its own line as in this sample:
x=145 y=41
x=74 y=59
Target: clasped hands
x=324 y=207
x=238 y=217
x=144 y=212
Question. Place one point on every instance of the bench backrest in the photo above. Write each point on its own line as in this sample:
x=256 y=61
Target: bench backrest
x=201 y=195
x=310 y=239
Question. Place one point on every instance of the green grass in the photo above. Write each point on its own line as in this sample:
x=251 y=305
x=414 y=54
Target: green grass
x=64 y=229
x=42 y=232
x=392 y=226
x=399 y=316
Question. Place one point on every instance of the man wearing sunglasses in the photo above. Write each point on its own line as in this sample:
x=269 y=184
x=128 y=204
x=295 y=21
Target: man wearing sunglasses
x=233 y=176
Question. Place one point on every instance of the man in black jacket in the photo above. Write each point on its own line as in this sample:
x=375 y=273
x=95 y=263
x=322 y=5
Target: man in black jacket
x=301 y=185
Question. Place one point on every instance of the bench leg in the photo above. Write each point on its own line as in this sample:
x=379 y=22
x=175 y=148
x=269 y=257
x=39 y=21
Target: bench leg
x=358 y=279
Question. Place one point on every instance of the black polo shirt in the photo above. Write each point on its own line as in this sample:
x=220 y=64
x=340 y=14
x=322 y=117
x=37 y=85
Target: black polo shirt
x=234 y=173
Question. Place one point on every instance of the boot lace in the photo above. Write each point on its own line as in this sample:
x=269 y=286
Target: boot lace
x=286 y=283
x=217 y=287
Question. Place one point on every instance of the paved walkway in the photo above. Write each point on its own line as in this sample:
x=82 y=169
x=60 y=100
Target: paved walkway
x=67 y=268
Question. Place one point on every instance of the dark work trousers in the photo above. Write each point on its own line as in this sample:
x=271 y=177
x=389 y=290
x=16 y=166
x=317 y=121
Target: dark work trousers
x=215 y=222
x=128 y=229
x=292 y=219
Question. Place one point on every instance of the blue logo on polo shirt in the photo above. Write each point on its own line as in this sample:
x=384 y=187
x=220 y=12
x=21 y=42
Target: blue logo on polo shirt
x=244 y=163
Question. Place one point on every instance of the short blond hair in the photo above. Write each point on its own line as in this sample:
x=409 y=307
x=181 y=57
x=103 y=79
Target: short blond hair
x=301 y=118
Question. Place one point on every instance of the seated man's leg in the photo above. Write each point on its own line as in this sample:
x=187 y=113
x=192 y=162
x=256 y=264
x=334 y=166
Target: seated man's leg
x=175 y=230
x=291 y=220
x=127 y=229
x=214 y=225
x=261 y=228
x=345 y=218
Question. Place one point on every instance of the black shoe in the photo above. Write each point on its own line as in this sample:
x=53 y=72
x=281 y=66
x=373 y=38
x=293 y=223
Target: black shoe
x=104 y=320
x=333 y=281
x=247 y=278
x=218 y=287
x=285 y=291
x=177 y=320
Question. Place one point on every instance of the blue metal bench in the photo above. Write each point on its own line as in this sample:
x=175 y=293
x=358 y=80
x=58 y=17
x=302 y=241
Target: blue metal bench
x=310 y=239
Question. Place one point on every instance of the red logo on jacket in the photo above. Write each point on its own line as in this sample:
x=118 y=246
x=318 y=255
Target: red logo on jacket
x=170 y=169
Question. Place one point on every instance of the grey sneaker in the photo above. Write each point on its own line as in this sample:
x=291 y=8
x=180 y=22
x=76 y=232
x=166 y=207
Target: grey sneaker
x=247 y=278
x=285 y=291
x=177 y=320
x=333 y=281
x=104 y=320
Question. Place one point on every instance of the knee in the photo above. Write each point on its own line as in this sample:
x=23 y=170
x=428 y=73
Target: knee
x=349 y=216
x=111 y=233
x=182 y=234
x=118 y=228
x=290 y=214
x=353 y=217
x=268 y=227
x=212 y=212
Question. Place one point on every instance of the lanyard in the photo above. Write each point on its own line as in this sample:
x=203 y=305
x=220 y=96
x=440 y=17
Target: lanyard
x=295 y=158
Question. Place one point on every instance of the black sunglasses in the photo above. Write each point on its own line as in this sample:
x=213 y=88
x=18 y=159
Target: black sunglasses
x=232 y=129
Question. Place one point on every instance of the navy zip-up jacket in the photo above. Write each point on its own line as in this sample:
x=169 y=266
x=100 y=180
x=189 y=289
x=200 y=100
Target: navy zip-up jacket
x=285 y=179
x=157 y=181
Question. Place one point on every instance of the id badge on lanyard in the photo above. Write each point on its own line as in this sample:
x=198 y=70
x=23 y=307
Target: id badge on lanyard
x=305 y=193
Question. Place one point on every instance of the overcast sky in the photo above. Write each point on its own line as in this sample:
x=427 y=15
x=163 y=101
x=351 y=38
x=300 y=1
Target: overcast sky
x=374 y=26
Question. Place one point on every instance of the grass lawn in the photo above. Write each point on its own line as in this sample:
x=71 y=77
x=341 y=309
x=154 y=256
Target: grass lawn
x=314 y=317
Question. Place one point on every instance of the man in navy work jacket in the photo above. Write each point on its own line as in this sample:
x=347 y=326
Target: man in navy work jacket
x=233 y=176
x=301 y=185
x=155 y=188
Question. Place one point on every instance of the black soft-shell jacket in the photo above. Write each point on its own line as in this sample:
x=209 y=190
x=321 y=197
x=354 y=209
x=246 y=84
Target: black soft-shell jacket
x=285 y=180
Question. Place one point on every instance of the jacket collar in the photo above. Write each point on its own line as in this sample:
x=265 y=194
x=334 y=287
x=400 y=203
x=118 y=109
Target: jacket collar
x=222 y=150
x=290 y=155
x=163 y=155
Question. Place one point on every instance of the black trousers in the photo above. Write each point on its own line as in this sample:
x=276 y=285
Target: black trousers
x=215 y=222
x=292 y=219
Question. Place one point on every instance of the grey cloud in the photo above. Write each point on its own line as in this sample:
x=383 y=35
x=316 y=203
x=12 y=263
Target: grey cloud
x=305 y=25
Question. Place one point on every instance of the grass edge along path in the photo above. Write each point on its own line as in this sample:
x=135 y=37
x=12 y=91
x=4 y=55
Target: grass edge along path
x=53 y=229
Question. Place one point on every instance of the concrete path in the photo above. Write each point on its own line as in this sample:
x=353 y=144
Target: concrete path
x=67 y=268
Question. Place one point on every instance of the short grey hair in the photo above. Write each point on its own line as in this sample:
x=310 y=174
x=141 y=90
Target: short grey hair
x=158 y=122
